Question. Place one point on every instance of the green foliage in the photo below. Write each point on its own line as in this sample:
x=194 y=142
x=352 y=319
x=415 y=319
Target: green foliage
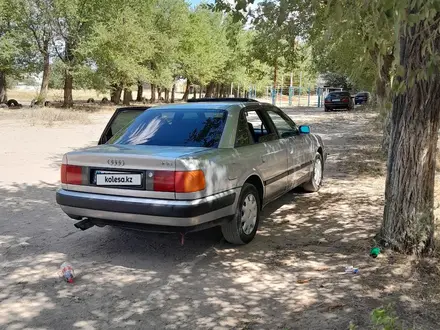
x=203 y=52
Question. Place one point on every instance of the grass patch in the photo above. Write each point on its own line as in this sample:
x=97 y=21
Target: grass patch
x=50 y=116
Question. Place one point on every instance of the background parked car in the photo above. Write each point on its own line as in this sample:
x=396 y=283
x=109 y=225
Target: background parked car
x=362 y=98
x=338 y=100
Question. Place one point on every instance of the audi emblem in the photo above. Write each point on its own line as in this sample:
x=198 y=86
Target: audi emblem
x=115 y=162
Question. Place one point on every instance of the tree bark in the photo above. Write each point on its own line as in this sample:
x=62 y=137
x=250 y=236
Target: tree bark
x=140 y=91
x=408 y=223
x=159 y=94
x=173 y=93
x=217 y=90
x=116 y=93
x=153 y=93
x=194 y=92
x=128 y=96
x=46 y=74
x=186 y=94
x=68 y=89
x=167 y=95
x=3 y=93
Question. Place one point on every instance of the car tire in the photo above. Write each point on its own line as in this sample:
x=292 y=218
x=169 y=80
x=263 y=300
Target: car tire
x=326 y=109
x=315 y=182
x=243 y=227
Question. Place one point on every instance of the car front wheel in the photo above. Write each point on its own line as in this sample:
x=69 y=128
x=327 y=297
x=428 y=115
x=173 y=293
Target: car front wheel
x=243 y=227
x=317 y=175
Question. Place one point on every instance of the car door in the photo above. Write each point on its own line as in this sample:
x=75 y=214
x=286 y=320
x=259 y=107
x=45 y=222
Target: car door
x=299 y=147
x=120 y=119
x=262 y=150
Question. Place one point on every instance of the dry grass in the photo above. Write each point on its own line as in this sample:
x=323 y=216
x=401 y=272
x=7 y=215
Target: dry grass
x=50 y=116
x=54 y=95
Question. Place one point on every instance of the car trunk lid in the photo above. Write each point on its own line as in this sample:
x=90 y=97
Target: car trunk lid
x=125 y=170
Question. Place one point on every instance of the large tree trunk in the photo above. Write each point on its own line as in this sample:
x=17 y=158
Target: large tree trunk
x=408 y=223
x=159 y=94
x=128 y=96
x=217 y=90
x=115 y=93
x=46 y=74
x=186 y=94
x=3 y=94
x=68 y=89
x=140 y=92
x=194 y=92
x=153 y=93
x=167 y=95
x=173 y=93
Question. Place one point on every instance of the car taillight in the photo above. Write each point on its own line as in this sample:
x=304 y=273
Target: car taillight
x=327 y=101
x=179 y=182
x=71 y=174
x=344 y=100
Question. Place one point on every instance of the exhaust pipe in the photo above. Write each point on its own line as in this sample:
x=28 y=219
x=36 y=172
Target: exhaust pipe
x=84 y=224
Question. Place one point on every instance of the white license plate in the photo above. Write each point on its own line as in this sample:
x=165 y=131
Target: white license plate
x=336 y=100
x=118 y=179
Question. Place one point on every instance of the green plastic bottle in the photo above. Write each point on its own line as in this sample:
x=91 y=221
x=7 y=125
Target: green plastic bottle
x=375 y=252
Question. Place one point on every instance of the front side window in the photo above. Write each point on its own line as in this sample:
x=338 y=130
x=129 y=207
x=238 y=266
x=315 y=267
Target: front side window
x=184 y=128
x=284 y=126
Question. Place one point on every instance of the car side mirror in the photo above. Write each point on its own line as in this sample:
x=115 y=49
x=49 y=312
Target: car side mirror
x=304 y=129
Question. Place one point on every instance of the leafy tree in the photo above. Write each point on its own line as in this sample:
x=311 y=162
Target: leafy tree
x=203 y=52
x=118 y=46
x=72 y=22
x=33 y=16
x=16 y=53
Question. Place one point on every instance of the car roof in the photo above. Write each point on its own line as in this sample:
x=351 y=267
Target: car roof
x=228 y=104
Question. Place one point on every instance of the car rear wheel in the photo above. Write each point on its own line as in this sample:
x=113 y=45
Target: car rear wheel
x=317 y=175
x=243 y=227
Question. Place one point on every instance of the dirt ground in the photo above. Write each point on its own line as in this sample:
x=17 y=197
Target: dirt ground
x=290 y=277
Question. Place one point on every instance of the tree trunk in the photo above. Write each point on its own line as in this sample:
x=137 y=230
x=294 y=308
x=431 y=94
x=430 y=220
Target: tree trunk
x=275 y=74
x=209 y=89
x=46 y=76
x=408 y=223
x=128 y=97
x=115 y=93
x=159 y=94
x=186 y=94
x=194 y=92
x=173 y=93
x=3 y=94
x=153 y=93
x=68 y=89
x=217 y=90
x=140 y=92
x=167 y=95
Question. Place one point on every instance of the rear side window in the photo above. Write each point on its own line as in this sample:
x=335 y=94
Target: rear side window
x=163 y=127
x=123 y=119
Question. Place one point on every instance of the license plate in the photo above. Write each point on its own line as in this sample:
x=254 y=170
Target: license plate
x=118 y=179
x=336 y=100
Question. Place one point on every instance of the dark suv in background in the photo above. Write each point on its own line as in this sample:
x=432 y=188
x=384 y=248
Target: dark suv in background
x=338 y=100
x=362 y=98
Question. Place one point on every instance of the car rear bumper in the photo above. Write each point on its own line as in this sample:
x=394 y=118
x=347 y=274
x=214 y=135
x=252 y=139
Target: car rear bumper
x=337 y=105
x=176 y=213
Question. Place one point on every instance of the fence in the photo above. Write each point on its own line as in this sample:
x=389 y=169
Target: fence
x=295 y=96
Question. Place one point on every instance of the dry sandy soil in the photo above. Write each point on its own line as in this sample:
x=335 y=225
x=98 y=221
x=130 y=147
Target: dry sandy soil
x=290 y=277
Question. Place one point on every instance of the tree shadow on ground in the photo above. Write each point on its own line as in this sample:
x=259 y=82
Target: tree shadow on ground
x=290 y=277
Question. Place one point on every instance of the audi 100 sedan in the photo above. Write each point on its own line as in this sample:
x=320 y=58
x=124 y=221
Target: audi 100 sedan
x=187 y=167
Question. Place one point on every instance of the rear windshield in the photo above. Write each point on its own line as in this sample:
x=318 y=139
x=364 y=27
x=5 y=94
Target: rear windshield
x=339 y=94
x=162 y=127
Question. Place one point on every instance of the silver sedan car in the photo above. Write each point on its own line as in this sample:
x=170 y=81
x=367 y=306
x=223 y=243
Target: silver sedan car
x=187 y=167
